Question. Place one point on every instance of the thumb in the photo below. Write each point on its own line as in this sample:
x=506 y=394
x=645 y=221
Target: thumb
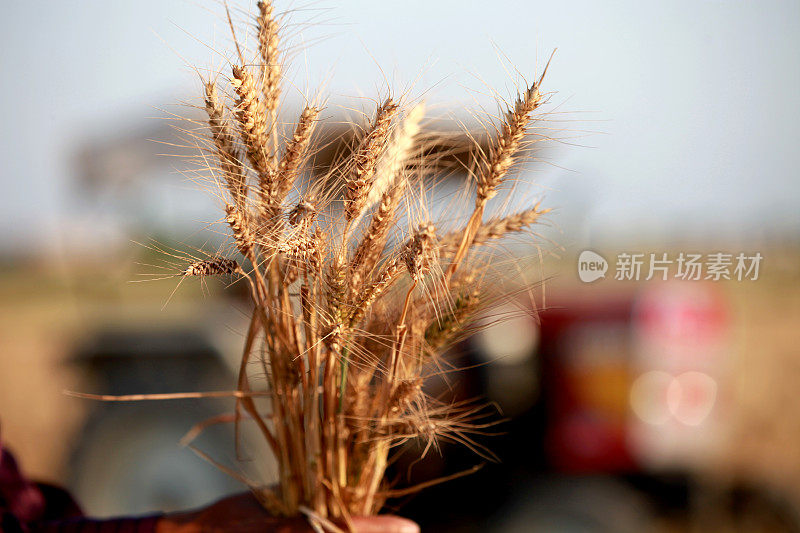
x=384 y=524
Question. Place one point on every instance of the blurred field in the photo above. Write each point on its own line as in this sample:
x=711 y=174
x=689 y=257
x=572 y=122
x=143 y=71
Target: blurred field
x=38 y=325
x=45 y=313
x=764 y=441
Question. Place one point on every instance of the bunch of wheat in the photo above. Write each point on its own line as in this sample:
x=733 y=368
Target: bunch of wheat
x=346 y=315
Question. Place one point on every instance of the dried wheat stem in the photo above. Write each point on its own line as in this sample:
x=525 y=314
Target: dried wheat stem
x=418 y=487
x=230 y=164
x=280 y=380
x=329 y=403
x=256 y=322
x=311 y=400
x=401 y=335
x=378 y=457
x=359 y=180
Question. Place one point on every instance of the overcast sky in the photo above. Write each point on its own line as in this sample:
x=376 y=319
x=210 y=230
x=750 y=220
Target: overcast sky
x=695 y=102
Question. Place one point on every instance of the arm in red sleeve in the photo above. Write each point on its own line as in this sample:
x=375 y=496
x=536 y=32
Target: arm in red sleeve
x=26 y=507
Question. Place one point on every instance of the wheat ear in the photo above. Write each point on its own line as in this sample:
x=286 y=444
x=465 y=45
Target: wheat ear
x=295 y=152
x=416 y=257
x=397 y=154
x=212 y=267
x=386 y=278
x=374 y=240
x=241 y=233
x=501 y=157
x=441 y=332
x=359 y=180
x=418 y=253
x=507 y=145
x=268 y=41
x=223 y=139
x=388 y=188
x=251 y=115
x=495 y=228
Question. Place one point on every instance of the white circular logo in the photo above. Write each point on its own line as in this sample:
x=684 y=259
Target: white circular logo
x=591 y=266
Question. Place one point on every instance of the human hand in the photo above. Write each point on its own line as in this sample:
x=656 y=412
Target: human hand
x=243 y=514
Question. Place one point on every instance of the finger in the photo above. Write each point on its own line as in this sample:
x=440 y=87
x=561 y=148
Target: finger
x=384 y=524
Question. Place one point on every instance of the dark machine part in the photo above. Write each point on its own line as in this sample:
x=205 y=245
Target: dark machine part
x=128 y=459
